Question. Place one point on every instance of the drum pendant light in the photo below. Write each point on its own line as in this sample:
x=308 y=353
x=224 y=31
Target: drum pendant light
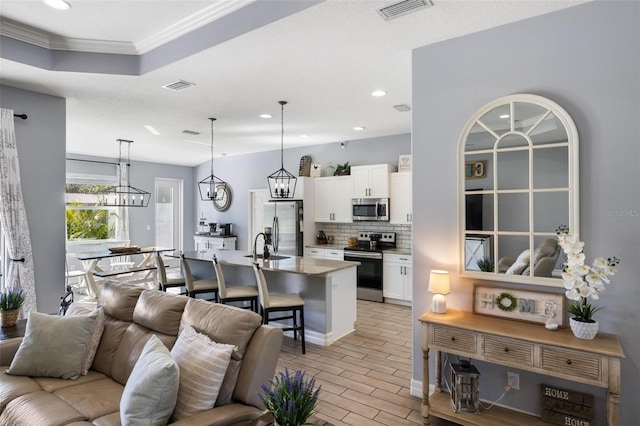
x=124 y=195
x=282 y=184
x=212 y=188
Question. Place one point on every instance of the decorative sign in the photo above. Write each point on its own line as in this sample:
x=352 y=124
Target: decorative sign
x=305 y=166
x=564 y=407
x=316 y=170
x=404 y=163
x=475 y=169
x=531 y=306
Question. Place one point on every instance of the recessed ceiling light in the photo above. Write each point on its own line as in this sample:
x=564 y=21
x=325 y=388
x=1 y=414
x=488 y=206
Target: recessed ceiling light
x=358 y=128
x=58 y=4
x=378 y=93
x=304 y=136
x=152 y=130
x=266 y=116
x=504 y=116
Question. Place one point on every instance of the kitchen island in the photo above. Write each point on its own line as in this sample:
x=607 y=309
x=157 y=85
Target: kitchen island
x=328 y=287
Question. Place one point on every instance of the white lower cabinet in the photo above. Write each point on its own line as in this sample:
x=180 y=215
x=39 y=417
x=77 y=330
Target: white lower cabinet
x=397 y=277
x=206 y=244
x=324 y=253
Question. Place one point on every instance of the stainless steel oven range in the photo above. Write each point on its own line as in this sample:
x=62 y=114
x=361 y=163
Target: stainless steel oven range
x=369 y=253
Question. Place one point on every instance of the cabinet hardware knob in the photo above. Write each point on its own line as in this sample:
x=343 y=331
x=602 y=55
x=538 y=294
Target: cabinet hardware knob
x=506 y=349
x=568 y=362
x=453 y=338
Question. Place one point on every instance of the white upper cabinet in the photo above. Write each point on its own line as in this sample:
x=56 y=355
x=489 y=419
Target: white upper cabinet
x=333 y=199
x=371 y=181
x=401 y=198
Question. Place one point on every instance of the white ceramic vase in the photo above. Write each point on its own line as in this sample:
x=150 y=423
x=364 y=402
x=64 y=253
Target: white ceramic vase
x=584 y=330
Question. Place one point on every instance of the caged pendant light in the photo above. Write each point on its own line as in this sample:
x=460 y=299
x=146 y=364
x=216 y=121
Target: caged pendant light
x=212 y=188
x=282 y=184
x=124 y=195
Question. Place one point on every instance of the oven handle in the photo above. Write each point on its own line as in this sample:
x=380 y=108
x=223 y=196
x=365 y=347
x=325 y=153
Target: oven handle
x=363 y=255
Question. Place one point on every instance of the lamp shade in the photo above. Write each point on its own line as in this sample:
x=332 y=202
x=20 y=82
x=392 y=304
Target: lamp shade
x=439 y=282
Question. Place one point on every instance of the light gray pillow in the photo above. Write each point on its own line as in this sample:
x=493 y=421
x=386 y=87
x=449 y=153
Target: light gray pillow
x=150 y=394
x=53 y=346
x=203 y=364
x=520 y=264
x=78 y=310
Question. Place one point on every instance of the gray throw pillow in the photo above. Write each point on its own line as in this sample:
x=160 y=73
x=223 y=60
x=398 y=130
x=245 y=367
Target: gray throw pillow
x=150 y=394
x=53 y=346
x=78 y=310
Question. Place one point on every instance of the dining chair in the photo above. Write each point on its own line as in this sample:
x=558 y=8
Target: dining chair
x=195 y=287
x=282 y=302
x=239 y=293
x=75 y=274
x=165 y=280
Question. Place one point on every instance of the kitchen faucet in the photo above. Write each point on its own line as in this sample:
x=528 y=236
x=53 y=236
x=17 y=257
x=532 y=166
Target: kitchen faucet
x=255 y=243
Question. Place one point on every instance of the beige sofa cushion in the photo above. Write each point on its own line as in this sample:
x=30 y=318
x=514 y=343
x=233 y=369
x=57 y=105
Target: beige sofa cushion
x=203 y=365
x=39 y=408
x=119 y=299
x=93 y=399
x=149 y=396
x=54 y=346
x=223 y=324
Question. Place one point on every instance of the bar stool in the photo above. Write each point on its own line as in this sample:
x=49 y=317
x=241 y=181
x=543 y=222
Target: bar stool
x=195 y=287
x=280 y=303
x=165 y=280
x=235 y=293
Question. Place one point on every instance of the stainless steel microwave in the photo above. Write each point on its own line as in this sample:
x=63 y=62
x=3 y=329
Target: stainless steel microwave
x=370 y=209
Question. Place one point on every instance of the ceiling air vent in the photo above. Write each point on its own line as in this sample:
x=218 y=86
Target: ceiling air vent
x=402 y=107
x=403 y=8
x=191 y=132
x=178 y=85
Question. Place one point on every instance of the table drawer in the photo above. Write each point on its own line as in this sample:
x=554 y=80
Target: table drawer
x=452 y=339
x=510 y=350
x=577 y=364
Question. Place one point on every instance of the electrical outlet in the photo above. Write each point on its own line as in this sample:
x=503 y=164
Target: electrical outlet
x=513 y=380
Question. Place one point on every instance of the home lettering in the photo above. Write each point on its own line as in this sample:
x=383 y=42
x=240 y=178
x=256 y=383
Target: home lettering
x=556 y=393
x=527 y=305
x=568 y=421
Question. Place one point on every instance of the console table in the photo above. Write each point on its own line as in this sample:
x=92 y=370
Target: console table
x=521 y=345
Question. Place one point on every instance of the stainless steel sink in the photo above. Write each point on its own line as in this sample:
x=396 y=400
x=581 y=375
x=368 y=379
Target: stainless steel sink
x=272 y=257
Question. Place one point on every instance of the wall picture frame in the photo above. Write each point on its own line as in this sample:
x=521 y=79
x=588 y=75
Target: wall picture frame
x=538 y=307
x=404 y=163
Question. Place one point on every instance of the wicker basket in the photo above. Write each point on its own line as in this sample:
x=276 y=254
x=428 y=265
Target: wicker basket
x=9 y=318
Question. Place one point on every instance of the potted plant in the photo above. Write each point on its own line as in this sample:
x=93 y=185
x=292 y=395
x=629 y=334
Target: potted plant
x=343 y=169
x=485 y=264
x=583 y=283
x=290 y=398
x=11 y=300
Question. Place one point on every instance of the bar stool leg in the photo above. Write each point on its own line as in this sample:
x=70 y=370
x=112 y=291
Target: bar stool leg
x=302 y=328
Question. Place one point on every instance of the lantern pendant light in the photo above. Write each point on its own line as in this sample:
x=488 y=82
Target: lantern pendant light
x=124 y=195
x=282 y=184
x=212 y=188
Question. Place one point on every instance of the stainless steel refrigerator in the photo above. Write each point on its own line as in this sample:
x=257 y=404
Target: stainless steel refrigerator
x=284 y=220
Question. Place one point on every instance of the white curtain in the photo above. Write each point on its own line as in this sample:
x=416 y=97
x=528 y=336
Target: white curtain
x=13 y=215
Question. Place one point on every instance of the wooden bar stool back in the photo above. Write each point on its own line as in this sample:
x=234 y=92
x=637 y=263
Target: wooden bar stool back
x=283 y=302
x=238 y=293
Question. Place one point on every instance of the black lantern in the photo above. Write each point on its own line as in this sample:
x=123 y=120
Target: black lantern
x=465 y=388
x=212 y=188
x=124 y=195
x=282 y=184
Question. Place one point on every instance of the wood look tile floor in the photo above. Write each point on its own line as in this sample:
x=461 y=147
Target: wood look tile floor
x=366 y=375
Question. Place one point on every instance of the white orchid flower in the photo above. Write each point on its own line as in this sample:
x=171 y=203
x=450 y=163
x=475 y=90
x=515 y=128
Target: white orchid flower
x=600 y=262
x=574 y=259
x=601 y=274
x=581 y=269
x=610 y=270
x=572 y=295
x=593 y=279
x=584 y=291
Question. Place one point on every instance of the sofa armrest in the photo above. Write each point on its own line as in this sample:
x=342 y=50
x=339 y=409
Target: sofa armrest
x=230 y=414
x=8 y=349
x=258 y=365
x=505 y=263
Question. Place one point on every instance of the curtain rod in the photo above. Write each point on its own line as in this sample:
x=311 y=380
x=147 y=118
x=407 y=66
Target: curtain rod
x=91 y=161
x=23 y=116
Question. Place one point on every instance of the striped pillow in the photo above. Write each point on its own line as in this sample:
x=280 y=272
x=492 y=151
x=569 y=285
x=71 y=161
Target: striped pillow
x=203 y=364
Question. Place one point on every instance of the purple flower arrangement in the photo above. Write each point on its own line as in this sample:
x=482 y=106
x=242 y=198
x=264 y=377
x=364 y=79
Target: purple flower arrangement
x=291 y=398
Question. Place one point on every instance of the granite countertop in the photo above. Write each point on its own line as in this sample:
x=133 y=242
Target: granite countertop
x=293 y=264
x=213 y=235
x=344 y=246
x=398 y=251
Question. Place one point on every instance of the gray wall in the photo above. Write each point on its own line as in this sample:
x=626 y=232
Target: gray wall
x=41 y=146
x=244 y=172
x=586 y=58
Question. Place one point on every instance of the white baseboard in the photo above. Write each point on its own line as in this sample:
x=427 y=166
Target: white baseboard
x=314 y=337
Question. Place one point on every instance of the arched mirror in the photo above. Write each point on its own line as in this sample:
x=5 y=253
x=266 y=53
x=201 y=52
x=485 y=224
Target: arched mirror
x=518 y=175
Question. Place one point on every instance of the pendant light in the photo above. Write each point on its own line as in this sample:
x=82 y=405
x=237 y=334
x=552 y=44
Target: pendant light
x=124 y=195
x=212 y=187
x=282 y=184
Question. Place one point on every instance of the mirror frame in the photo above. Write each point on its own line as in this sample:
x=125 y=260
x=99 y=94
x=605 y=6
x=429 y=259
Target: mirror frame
x=573 y=188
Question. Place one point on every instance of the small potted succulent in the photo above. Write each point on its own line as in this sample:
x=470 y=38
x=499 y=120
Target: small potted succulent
x=343 y=169
x=11 y=300
x=485 y=264
x=291 y=398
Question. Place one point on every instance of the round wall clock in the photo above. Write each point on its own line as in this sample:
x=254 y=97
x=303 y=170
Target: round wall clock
x=222 y=201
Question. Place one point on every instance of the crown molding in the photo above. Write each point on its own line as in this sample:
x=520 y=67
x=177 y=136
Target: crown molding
x=184 y=26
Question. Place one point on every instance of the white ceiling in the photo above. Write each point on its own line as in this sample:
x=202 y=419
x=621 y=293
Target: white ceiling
x=325 y=61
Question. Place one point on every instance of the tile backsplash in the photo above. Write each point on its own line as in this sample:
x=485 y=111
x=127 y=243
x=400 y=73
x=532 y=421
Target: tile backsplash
x=342 y=231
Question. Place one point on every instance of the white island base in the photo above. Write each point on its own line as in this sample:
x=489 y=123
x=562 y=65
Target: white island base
x=330 y=296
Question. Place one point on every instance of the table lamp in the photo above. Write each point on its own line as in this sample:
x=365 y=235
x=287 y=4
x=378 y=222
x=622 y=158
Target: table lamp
x=439 y=285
